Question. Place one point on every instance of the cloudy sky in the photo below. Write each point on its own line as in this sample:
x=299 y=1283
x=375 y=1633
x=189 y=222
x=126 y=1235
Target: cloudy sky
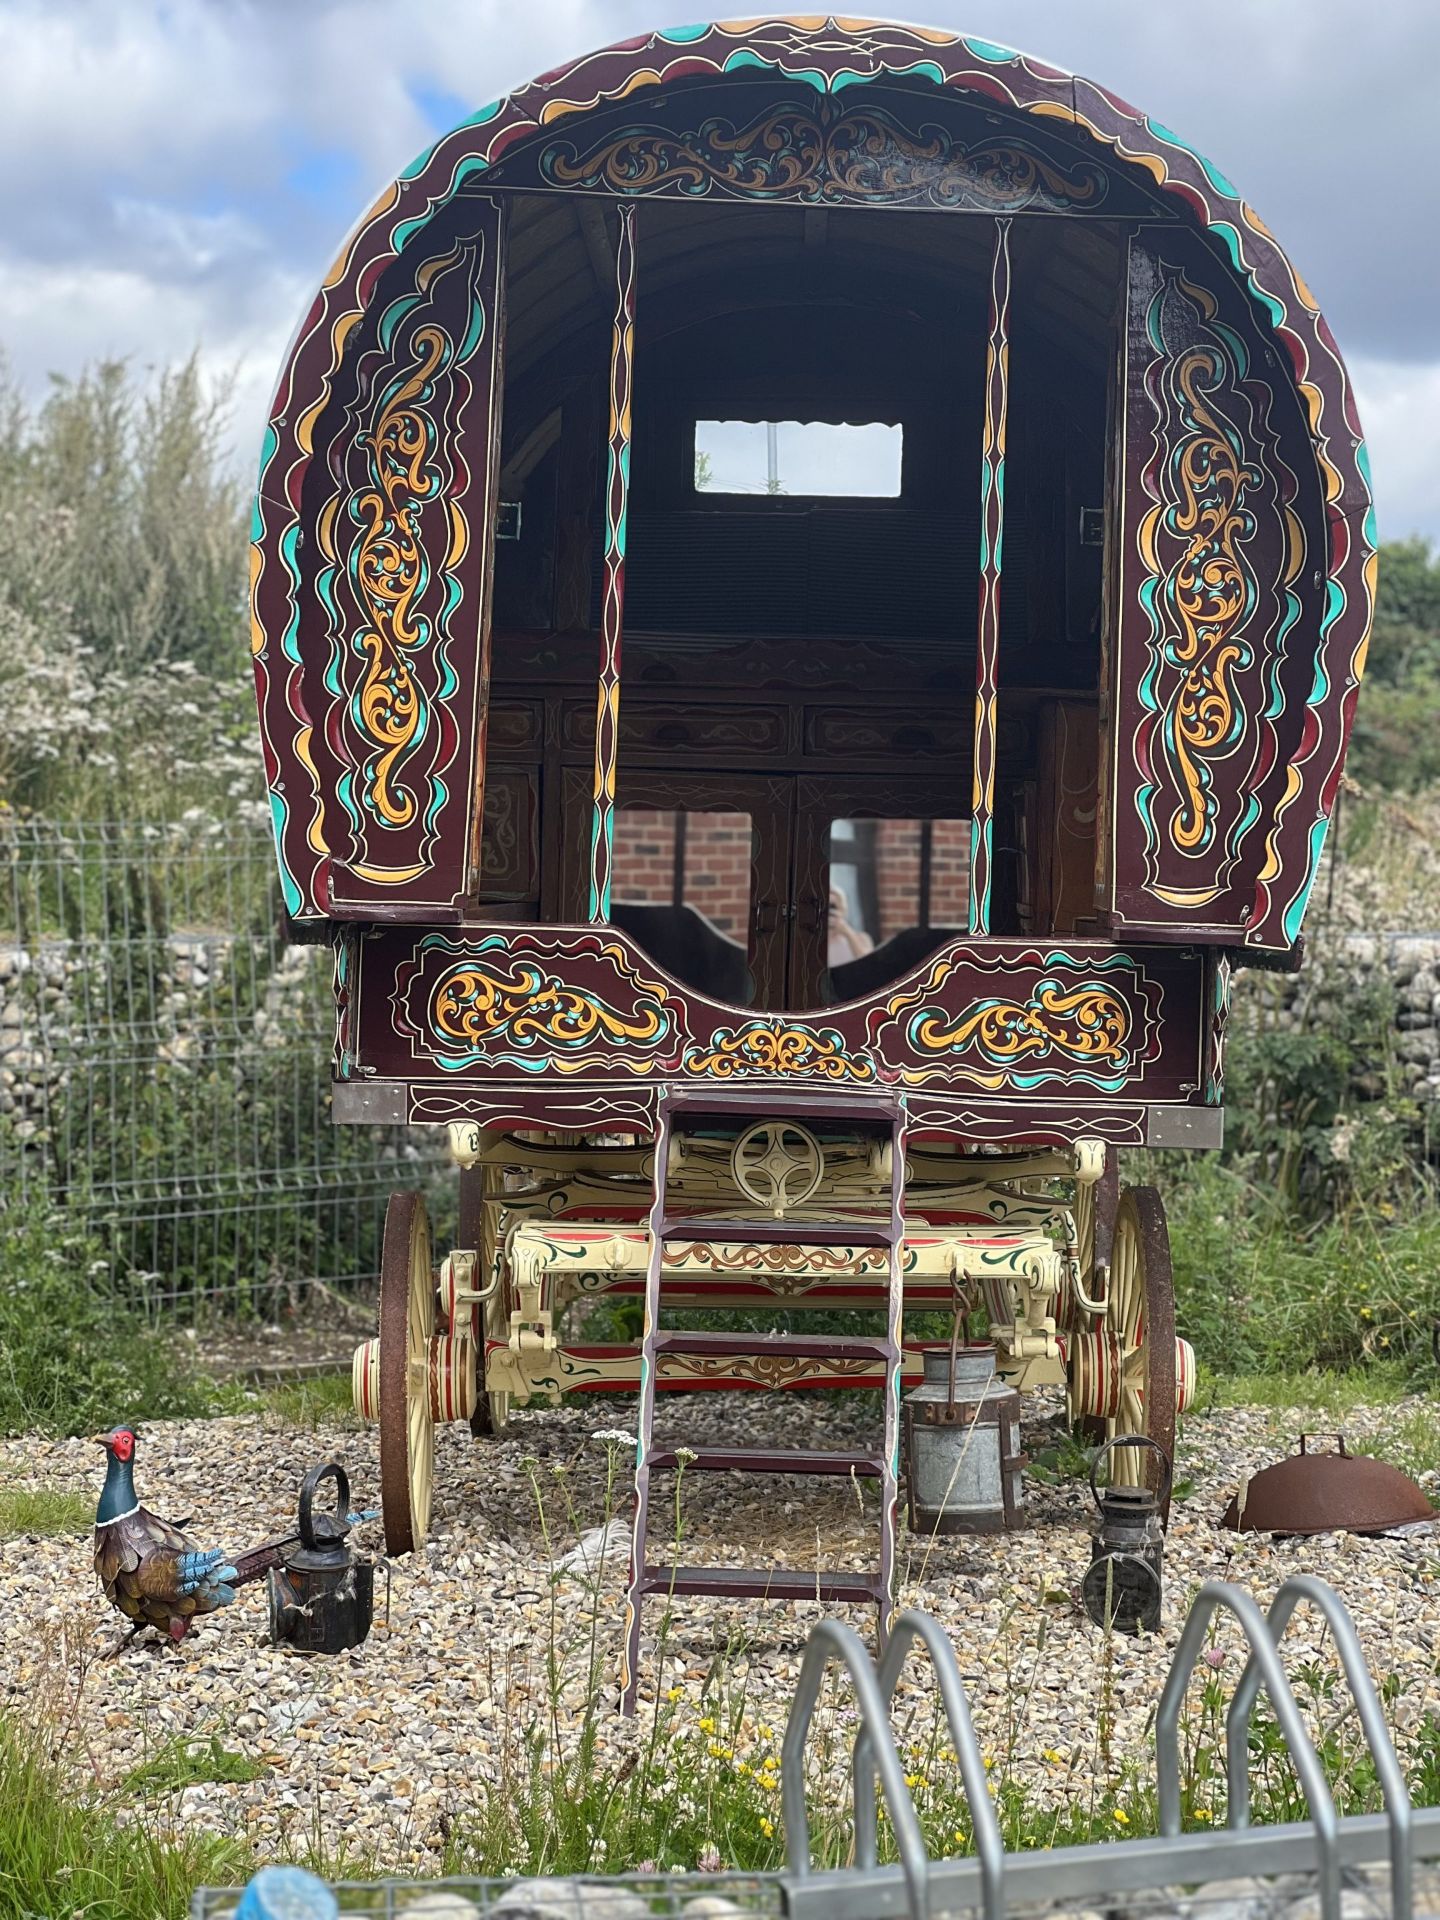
x=175 y=174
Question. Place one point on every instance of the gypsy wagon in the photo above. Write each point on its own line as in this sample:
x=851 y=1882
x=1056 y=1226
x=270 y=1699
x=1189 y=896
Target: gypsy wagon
x=980 y=499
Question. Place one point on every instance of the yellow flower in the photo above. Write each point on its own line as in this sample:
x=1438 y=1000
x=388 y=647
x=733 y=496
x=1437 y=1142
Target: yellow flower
x=742 y=1767
x=767 y=1783
x=1055 y=1759
x=960 y=1836
x=1120 y=1817
x=765 y=1733
x=767 y=1827
x=1204 y=1813
x=675 y=1693
x=718 y=1750
x=707 y=1725
x=916 y=1780
x=989 y=1761
x=770 y=1763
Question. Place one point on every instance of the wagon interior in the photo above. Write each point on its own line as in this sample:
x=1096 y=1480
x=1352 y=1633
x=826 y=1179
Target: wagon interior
x=794 y=778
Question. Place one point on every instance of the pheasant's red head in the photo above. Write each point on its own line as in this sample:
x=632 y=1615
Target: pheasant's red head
x=120 y=1441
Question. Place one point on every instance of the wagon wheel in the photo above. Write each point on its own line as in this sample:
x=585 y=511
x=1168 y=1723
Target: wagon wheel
x=1140 y=1312
x=407 y=1323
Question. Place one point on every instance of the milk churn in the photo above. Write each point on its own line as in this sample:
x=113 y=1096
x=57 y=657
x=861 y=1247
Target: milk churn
x=962 y=1444
x=1121 y=1587
x=322 y=1596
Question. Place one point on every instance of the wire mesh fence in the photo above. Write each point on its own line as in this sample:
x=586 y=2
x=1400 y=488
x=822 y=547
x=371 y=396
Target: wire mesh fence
x=164 y=1070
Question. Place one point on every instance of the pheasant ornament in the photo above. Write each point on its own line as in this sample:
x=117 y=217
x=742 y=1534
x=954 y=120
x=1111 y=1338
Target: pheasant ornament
x=151 y=1571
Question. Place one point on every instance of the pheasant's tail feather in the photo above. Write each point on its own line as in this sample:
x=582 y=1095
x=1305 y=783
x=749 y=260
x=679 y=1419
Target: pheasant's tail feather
x=257 y=1561
x=195 y=1568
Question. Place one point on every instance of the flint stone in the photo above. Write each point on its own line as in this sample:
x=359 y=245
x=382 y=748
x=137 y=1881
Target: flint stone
x=557 y=1899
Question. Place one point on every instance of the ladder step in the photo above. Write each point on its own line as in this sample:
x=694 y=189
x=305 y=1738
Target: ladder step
x=796 y=1346
x=761 y=1583
x=765 y=1460
x=811 y=1233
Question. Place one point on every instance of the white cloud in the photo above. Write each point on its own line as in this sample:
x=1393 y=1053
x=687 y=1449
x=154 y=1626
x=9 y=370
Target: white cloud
x=1400 y=412
x=176 y=173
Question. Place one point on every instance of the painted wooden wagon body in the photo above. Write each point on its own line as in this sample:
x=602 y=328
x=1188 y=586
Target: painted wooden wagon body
x=981 y=500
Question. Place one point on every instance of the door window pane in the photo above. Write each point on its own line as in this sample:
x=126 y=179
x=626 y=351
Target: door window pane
x=681 y=885
x=897 y=888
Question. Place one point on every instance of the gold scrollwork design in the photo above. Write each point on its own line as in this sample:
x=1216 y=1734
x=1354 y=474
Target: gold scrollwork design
x=1211 y=588
x=390 y=571
x=833 y=153
x=1086 y=1024
x=768 y=1370
x=778 y=1047
x=526 y=1008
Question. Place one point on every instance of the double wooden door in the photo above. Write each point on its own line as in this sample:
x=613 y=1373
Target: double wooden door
x=780 y=891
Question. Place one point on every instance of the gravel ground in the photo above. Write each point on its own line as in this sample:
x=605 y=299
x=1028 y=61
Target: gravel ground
x=384 y=1743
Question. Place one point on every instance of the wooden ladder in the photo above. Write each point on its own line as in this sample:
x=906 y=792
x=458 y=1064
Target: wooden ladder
x=882 y=1112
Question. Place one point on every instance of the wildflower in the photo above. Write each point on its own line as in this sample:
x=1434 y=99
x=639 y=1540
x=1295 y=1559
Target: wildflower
x=1055 y=1759
x=742 y=1767
x=989 y=1762
x=614 y=1437
x=1204 y=1813
x=960 y=1836
x=686 y=1456
x=1120 y=1817
x=769 y=1763
x=767 y=1827
x=1215 y=1657
x=707 y=1725
x=767 y=1783
x=718 y=1750
x=674 y=1694
x=709 y=1860
x=765 y=1732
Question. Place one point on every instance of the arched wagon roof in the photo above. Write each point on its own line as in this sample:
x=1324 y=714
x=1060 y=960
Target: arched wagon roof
x=829 y=56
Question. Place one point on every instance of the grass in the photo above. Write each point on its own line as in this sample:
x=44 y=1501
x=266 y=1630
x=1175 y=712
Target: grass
x=44 y=1511
x=1320 y=1391
x=325 y=1399
x=187 y=1761
x=65 y=1850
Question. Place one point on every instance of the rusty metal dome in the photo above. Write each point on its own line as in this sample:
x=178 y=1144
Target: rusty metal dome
x=1324 y=1492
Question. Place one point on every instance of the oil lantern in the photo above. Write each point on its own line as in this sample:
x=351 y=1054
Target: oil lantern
x=1121 y=1587
x=322 y=1597
x=962 y=1444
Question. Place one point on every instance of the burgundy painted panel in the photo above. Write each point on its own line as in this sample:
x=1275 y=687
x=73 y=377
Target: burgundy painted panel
x=1218 y=611
x=392 y=595
x=527 y=1016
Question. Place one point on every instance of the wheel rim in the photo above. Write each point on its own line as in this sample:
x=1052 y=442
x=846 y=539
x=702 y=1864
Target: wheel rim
x=1140 y=1311
x=407 y=1325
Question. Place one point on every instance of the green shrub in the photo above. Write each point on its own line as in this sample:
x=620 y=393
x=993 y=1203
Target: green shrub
x=72 y=1356
x=1260 y=1289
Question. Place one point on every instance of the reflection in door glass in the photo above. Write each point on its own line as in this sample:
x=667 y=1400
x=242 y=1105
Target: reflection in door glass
x=681 y=885
x=897 y=887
